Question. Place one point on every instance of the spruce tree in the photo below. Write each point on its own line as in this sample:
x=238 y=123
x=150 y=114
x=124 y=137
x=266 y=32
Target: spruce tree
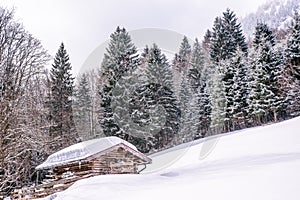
x=264 y=100
x=197 y=62
x=62 y=131
x=218 y=104
x=226 y=37
x=156 y=95
x=293 y=44
x=158 y=70
x=226 y=40
x=190 y=114
x=184 y=105
x=292 y=54
x=181 y=63
x=197 y=81
x=83 y=108
x=204 y=107
x=120 y=57
x=240 y=91
x=206 y=41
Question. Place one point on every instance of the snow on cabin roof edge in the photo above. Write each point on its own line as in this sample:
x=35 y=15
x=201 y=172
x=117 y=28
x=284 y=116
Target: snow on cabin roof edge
x=81 y=151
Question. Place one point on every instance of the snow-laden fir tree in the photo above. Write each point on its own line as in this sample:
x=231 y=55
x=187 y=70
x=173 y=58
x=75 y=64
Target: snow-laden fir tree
x=226 y=40
x=181 y=63
x=264 y=97
x=293 y=66
x=206 y=41
x=131 y=113
x=218 y=104
x=83 y=108
x=156 y=98
x=190 y=114
x=197 y=65
x=197 y=81
x=184 y=105
x=120 y=57
x=293 y=43
x=63 y=132
x=240 y=91
x=226 y=37
x=158 y=70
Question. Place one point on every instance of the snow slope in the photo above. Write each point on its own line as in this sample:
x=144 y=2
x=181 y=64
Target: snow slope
x=257 y=163
x=275 y=13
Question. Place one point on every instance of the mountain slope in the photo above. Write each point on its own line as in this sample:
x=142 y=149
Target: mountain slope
x=276 y=14
x=257 y=163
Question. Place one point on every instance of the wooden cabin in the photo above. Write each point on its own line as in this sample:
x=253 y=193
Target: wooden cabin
x=109 y=155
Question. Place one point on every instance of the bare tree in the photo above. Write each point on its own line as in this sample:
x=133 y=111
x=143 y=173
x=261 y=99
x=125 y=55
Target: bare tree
x=22 y=61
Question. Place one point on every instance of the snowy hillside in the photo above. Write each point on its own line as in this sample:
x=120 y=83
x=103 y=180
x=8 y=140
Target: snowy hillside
x=257 y=163
x=275 y=13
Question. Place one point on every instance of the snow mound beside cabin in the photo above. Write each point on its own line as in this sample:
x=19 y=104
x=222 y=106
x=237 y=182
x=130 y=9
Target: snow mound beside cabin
x=82 y=150
x=256 y=163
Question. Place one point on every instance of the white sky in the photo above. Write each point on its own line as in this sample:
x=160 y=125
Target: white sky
x=85 y=24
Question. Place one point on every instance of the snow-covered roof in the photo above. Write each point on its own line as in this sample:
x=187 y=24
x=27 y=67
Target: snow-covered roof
x=82 y=150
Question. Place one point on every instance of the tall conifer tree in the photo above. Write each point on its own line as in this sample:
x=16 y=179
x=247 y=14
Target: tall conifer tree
x=120 y=57
x=62 y=131
x=293 y=66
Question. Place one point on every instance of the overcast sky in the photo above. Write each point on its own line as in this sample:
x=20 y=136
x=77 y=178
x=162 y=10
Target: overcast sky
x=85 y=24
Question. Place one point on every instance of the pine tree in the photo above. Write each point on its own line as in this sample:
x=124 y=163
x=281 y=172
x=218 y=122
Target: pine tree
x=120 y=57
x=184 y=105
x=83 y=108
x=181 y=63
x=156 y=101
x=226 y=40
x=195 y=73
x=62 y=130
x=204 y=107
x=207 y=40
x=292 y=53
x=226 y=37
x=240 y=91
x=293 y=43
x=197 y=80
x=131 y=113
x=190 y=114
x=158 y=70
x=217 y=41
x=218 y=104
x=264 y=100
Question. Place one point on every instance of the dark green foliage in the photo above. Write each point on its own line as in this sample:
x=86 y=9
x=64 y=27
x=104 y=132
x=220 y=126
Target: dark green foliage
x=293 y=43
x=62 y=130
x=226 y=42
x=227 y=37
x=83 y=108
x=293 y=67
x=197 y=81
x=164 y=123
x=181 y=61
x=265 y=93
x=120 y=57
x=157 y=91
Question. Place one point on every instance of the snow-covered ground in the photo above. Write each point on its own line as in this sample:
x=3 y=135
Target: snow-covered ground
x=257 y=163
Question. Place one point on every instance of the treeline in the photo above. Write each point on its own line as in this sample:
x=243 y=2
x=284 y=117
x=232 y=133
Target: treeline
x=220 y=84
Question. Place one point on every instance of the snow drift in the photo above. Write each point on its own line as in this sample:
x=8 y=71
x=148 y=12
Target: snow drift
x=257 y=163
